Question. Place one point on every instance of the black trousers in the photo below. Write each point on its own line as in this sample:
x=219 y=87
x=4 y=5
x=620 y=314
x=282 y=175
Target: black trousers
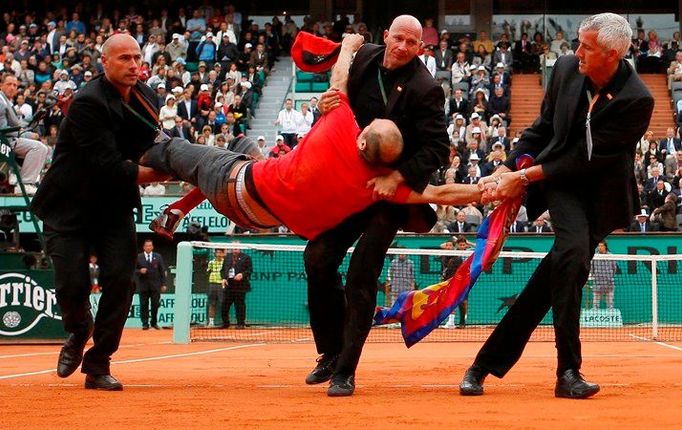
x=557 y=283
x=341 y=318
x=147 y=297
x=116 y=250
x=239 y=300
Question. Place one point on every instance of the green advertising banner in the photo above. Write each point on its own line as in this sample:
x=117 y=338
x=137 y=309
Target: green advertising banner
x=203 y=214
x=28 y=305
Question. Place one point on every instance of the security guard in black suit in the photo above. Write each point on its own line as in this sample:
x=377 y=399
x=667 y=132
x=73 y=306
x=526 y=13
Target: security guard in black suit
x=151 y=282
x=86 y=202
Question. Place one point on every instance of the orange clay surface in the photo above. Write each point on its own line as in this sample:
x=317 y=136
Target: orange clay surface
x=229 y=385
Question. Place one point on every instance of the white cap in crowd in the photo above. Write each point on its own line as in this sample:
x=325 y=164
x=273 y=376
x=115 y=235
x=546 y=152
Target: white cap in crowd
x=177 y=90
x=203 y=87
x=279 y=137
x=476 y=116
x=476 y=130
x=474 y=157
x=500 y=65
x=261 y=138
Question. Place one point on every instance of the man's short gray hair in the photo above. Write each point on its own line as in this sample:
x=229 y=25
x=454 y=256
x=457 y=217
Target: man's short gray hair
x=613 y=31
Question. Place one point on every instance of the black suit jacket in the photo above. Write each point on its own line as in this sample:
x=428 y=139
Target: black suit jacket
x=463 y=107
x=174 y=132
x=155 y=277
x=606 y=184
x=453 y=227
x=519 y=227
x=93 y=177
x=634 y=227
x=663 y=145
x=182 y=110
x=241 y=265
x=441 y=59
x=415 y=103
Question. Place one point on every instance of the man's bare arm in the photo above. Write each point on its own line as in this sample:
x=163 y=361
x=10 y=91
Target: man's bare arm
x=449 y=194
x=349 y=46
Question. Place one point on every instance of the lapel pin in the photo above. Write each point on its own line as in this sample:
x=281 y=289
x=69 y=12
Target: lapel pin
x=609 y=96
x=399 y=88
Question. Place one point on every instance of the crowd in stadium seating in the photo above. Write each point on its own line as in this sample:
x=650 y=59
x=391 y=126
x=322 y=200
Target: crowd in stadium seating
x=209 y=65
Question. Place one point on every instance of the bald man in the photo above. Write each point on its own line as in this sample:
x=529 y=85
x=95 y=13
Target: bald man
x=86 y=203
x=384 y=82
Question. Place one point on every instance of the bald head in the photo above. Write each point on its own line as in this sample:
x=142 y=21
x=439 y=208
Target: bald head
x=381 y=143
x=118 y=41
x=403 y=40
x=406 y=22
x=121 y=60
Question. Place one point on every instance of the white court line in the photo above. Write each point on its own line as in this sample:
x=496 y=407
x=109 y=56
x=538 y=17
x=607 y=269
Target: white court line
x=139 y=360
x=36 y=354
x=667 y=345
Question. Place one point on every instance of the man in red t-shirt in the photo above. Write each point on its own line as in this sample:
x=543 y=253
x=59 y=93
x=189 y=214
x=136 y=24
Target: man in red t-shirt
x=312 y=188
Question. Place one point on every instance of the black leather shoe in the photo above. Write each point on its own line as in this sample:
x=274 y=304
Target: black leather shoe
x=323 y=371
x=571 y=385
x=145 y=327
x=472 y=383
x=156 y=327
x=341 y=386
x=102 y=382
x=71 y=355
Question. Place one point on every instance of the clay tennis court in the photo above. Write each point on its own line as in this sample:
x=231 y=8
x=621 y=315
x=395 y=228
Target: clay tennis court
x=254 y=385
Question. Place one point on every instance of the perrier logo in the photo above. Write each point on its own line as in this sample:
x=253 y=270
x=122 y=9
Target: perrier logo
x=23 y=303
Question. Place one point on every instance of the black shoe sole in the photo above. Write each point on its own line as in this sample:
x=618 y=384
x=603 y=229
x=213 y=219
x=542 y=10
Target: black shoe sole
x=95 y=387
x=470 y=392
x=586 y=395
x=335 y=391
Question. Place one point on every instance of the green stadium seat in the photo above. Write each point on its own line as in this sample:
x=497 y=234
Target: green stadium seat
x=304 y=76
x=303 y=87
x=192 y=66
x=320 y=86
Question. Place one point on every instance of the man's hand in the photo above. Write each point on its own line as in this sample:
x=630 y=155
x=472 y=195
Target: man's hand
x=510 y=186
x=385 y=186
x=143 y=271
x=164 y=288
x=352 y=42
x=329 y=100
x=238 y=277
x=224 y=283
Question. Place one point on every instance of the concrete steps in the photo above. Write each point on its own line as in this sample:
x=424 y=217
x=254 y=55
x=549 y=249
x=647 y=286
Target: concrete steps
x=275 y=91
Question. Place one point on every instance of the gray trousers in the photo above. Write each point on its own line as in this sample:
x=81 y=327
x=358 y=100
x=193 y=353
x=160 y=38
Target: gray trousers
x=203 y=166
x=34 y=154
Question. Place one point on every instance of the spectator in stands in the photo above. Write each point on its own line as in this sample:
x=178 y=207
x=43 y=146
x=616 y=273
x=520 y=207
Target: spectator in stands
x=215 y=287
x=654 y=177
x=207 y=50
x=483 y=40
x=461 y=70
x=259 y=59
x=427 y=58
x=565 y=49
x=499 y=105
x=444 y=61
x=480 y=80
x=540 y=226
x=430 y=33
x=25 y=146
x=181 y=130
x=287 y=120
x=503 y=55
x=665 y=214
x=494 y=159
x=654 y=166
x=154 y=189
x=547 y=54
x=555 y=45
x=476 y=122
x=455 y=170
x=505 y=76
x=523 y=54
x=675 y=69
x=640 y=171
x=177 y=48
x=641 y=223
x=669 y=145
x=473 y=172
x=460 y=225
x=482 y=57
x=459 y=104
x=657 y=196
x=603 y=276
x=644 y=143
x=480 y=103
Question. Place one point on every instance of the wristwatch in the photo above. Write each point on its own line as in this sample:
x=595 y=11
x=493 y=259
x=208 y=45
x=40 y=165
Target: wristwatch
x=524 y=178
